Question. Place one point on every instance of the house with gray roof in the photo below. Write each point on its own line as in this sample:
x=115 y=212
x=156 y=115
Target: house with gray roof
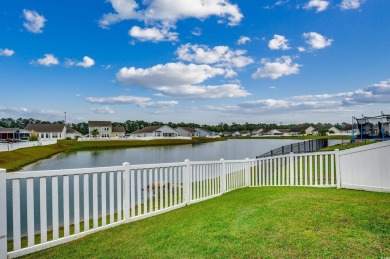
x=187 y=132
x=47 y=131
x=13 y=134
x=160 y=131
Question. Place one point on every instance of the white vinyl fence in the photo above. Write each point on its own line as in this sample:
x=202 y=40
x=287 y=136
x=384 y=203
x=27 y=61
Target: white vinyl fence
x=48 y=208
x=18 y=145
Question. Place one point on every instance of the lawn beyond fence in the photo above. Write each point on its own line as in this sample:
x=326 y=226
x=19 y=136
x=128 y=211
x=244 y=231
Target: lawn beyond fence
x=251 y=222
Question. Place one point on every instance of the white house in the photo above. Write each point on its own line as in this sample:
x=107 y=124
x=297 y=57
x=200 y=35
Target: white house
x=333 y=131
x=205 y=132
x=104 y=128
x=187 y=132
x=245 y=133
x=311 y=131
x=279 y=132
x=118 y=132
x=161 y=131
x=48 y=131
x=72 y=134
x=258 y=132
x=236 y=134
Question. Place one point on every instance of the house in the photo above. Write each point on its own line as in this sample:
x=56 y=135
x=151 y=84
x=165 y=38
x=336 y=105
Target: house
x=47 y=131
x=279 y=132
x=296 y=131
x=13 y=134
x=204 y=132
x=160 y=131
x=333 y=131
x=72 y=134
x=102 y=128
x=245 y=133
x=347 y=130
x=225 y=134
x=236 y=134
x=187 y=132
x=258 y=132
x=118 y=132
x=311 y=131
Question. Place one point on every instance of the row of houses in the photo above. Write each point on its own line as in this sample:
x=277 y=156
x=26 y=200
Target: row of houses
x=105 y=130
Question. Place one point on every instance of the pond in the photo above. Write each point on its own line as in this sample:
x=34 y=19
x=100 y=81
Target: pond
x=228 y=150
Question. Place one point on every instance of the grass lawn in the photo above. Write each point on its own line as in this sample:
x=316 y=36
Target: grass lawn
x=252 y=222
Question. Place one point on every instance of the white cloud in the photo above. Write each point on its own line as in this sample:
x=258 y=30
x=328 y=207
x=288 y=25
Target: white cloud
x=350 y=4
x=33 y=21
x=152 y=34
x=321 y=96
x=180 y=80
x=243 y=40
x=320 y=5
x=135 y=100
x=48 y=60
x=6 y=52
x=316 y=40
x=86 y=63
x=278 y=42
x=13 y=110
x=196 y=31
x=26 y=112
x=102 y=110
x=301 y=49
x=376 y=93
x=283 y=66
x=222 y=56
x=168 y=12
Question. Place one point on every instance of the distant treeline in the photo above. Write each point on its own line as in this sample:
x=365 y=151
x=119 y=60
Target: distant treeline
x=132 y=126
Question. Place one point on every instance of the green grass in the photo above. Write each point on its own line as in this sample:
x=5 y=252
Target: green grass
x=252 y=222
x=348 y=145
x=17 y=159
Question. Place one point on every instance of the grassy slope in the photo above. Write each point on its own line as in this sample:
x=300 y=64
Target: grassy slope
x=15 y=160
x=252 y=222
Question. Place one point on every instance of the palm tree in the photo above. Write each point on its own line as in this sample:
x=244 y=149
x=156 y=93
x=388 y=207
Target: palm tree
x=95 y=133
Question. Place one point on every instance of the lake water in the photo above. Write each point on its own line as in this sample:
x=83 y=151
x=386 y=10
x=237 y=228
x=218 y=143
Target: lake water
x=231 y=149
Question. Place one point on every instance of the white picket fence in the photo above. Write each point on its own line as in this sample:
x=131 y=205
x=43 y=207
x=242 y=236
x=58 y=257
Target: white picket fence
x=48 y=208
x=18 y=145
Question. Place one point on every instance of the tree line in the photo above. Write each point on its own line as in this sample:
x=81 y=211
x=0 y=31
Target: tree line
x=131 y=126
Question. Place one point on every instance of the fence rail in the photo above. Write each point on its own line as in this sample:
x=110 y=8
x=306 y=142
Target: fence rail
x=18 y=145
x=48 y=208
x=300 y=147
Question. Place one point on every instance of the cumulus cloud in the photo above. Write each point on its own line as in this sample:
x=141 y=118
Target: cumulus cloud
x=86 y=63
x=135 y=100
x=319 y=5
x=47 y=60
x=164 y=14
x=6 y=52
x=221 y=56
x=33 y=21
x=278 y=42
x=350 y=4
x=22 y=111
x=283 y=66
x=376 y=93
x=316 y=40
x=270 y=104
x=152 y=34
x=243 y=40
x=102 y=110
x=180 y=80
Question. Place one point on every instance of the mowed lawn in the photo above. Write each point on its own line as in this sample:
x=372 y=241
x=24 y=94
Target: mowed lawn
x=268 y=222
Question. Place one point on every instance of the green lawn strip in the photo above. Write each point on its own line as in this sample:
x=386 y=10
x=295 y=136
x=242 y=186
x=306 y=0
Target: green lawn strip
x=17 y=159
x=252 y=222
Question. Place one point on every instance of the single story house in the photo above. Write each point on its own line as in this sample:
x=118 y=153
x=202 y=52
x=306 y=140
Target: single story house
x=72 y=134
x=279 y=132
x=258 y=132
x=225 y=134
x=160 y=131
x=13 y=134
x=204 y=132
x=187 y=132
x=311 y=130
x=236 y=134
x=47 y=131
x=245 y=133
x=333 y=131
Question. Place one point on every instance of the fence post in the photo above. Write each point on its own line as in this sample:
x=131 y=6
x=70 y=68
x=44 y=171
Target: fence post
x=3 y=215
x=126 y=191
x=223 y=176
x=187 y=190
x=338 y=172
x=247 y=172
x=292 y=173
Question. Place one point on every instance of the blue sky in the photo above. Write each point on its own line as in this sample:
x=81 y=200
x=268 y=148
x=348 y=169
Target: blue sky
x=213 y=61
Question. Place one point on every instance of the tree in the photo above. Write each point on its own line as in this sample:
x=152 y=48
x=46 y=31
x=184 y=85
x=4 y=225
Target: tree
x=95 y=133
